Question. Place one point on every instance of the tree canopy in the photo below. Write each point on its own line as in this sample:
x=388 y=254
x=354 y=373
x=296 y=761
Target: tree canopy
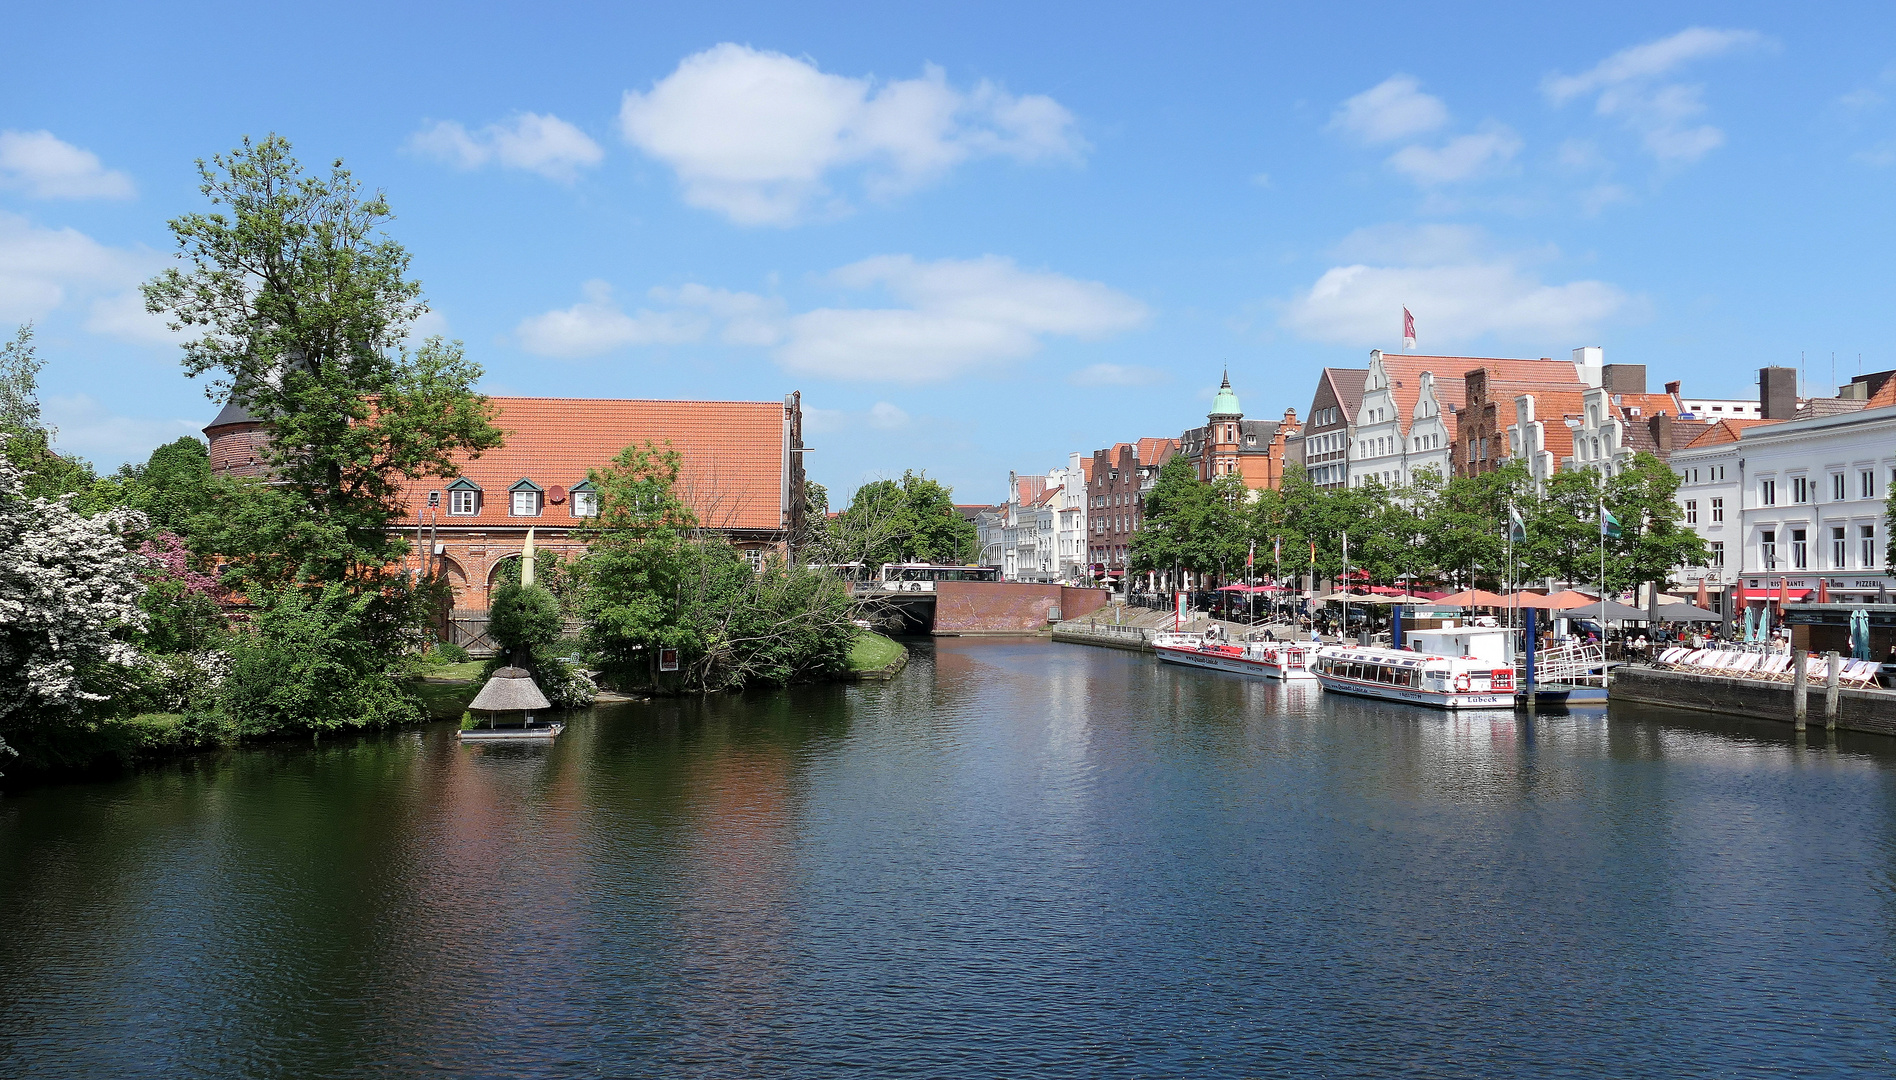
x=300 y=308
x=908 y=520
x=1451 y=533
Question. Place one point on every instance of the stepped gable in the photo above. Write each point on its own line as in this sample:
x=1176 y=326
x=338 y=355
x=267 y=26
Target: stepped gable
x=1551 y=409
x=732 y=451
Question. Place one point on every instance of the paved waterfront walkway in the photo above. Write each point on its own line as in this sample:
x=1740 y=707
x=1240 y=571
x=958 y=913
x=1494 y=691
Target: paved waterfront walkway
x=1146 y=618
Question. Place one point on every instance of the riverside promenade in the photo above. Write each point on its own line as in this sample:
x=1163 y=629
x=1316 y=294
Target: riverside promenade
x=1853 y=710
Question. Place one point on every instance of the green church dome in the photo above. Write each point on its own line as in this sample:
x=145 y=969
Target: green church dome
x=1226 y=403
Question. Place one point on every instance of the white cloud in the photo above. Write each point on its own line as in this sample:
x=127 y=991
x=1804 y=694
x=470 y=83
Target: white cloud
x=123 y=316
x=959 y=315
x=886 y=417
x=962 y=315
x=88 y=429
x=1461 y=158
x=1116 y=375
x=749 y=319
x=1629 y=87
x=597 y=325
x=43 y=166
x=1395 y=108
x=755 y=135
x=41 y=268
x=1460 y=291
x=543 y=144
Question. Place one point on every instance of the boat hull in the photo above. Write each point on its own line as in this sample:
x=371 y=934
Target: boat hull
x=1410 y=695
x=1217 y=659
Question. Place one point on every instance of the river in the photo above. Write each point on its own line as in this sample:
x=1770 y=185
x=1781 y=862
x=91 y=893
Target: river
x=1016 y=859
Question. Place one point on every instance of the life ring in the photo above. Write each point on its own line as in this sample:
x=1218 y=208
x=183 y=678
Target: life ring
x=1461 y=682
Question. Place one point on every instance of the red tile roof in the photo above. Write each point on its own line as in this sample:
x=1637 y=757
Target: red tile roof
x=1551 y=409
x=1726 y=431
x=732 y=450
x=1151 y=451
x=1405 y=379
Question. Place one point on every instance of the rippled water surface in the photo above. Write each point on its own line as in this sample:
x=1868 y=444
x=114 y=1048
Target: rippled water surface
x=1018 y=859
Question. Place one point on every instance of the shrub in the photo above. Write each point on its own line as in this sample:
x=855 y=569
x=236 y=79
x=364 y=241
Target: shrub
x=445 y=652
x=310 y=666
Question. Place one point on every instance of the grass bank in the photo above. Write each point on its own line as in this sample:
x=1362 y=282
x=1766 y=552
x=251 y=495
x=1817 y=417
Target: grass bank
x=874 y=653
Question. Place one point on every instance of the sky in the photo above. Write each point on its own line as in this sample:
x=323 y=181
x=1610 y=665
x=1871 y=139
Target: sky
x=978 y=237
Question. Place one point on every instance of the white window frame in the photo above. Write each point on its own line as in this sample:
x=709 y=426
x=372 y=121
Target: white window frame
x=463 y=502
x=513 y=502
x=585 y=504
x=1718 y=510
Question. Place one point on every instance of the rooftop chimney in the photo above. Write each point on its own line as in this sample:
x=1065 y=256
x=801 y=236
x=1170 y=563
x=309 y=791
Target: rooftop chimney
x=1673 y=388
x=1587 y=364
x=1624 y=378
x=1661 y=428
x=1777 y=393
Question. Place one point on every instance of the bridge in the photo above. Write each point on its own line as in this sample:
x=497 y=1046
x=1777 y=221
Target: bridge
x=959 y=608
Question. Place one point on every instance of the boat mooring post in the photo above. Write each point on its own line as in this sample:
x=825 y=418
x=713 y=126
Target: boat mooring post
x=1528 y=614
x=1833 y=689
x=1800 y=687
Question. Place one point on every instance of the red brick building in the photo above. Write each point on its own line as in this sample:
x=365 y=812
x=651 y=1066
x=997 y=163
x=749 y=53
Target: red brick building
x=742 y=473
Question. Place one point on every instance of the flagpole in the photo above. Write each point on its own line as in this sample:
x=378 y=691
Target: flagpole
x=1602 y=528
x=1346 y=585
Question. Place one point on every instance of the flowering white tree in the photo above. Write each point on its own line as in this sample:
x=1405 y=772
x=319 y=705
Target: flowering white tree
x=69 y=589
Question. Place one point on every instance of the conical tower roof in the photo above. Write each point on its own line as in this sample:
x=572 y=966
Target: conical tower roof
x=1226 y=403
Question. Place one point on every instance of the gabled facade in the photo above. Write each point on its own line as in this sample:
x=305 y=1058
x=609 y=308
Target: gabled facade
x=1406 y=421
x=1330 y=425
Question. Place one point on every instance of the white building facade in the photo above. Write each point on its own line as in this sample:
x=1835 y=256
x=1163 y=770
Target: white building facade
x=1400 y=428
x=1798 y=504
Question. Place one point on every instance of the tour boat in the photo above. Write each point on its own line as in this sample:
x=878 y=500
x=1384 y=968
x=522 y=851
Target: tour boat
x=1444 y=682
x=1263 y=659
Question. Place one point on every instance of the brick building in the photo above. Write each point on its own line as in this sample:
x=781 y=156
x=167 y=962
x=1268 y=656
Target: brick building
x=1229 y=444
x=742 y=473
x=1330 y=425
x=1116 y=483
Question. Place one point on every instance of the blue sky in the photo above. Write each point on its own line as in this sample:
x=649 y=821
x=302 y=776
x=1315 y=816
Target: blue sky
x=980 y=237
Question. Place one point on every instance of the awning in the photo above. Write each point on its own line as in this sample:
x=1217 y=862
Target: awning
x=1771 y=594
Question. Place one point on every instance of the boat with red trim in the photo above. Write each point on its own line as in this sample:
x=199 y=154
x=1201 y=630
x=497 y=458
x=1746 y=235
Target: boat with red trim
x=1442 y=682
x=1259 y=659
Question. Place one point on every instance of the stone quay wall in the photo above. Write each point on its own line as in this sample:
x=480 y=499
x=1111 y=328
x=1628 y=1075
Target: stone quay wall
x=1858 y=710
x=1130 y=638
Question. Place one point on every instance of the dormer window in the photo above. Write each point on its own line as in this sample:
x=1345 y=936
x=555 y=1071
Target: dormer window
x=526 y=499
x=464 y=498
x=585 y=500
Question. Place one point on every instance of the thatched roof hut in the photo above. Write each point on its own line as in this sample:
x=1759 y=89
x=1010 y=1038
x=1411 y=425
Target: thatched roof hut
x=510 y=689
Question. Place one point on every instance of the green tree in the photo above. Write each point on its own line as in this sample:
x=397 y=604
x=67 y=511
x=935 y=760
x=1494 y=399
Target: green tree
x=310 y=663
x=1193 y=525
x=19 y=383
x=44 y=472
x=1653 y=543
x=300 y=307
x=652 y=580
x=172 y=488
x=908 y=520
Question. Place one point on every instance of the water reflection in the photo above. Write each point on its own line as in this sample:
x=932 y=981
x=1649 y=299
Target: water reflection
x=1016 y=858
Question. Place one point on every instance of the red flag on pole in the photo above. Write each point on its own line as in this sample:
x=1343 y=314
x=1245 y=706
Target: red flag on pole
x=1313 y=553
x=1250 y=556
x=1408 y=329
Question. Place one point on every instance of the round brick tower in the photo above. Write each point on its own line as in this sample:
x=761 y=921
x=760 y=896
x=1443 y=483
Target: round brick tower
x=237 y=441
